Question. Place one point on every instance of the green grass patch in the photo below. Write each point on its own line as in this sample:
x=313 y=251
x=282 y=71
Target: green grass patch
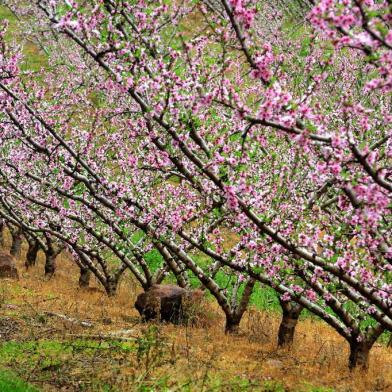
x=48 y=360
x=34 y=59
x=9 y=382
x=51 y=354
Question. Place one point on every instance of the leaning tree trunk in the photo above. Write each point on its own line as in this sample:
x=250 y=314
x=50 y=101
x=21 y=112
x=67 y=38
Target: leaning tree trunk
x=87 y=266
x=112 y=281
x=172 y=264
x=359 y=355
x=16 y=245
x=84 y=277
x=2 y=239
x=32 y=253
x=291 y=312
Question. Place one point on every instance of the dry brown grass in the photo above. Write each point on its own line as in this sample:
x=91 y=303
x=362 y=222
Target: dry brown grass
x=318 y=357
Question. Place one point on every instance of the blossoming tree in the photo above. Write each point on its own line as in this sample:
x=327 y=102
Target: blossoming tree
x=231 y=129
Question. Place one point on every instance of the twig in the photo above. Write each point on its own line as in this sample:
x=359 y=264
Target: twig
x=103 y=337
x=86 y=324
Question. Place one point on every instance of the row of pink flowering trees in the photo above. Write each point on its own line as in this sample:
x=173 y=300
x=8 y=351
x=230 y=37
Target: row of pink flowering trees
x=232 y=140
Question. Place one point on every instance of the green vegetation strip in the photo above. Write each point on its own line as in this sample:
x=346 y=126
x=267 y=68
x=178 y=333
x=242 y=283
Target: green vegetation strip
x=9 y=382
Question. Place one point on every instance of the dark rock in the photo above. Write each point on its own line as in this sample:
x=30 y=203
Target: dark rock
x=166 y=303
x=8 y=266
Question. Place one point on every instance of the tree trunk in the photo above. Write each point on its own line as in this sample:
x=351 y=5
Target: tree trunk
x=32 y=253
x=84 y=277
x=234 y=318
x=111 y=287
x=291 y=312
x=232 y=325
x=50 y=264
x=2 y=239
x=53 y=249
x=16 y=242
x=359 y=355
x=172 y=264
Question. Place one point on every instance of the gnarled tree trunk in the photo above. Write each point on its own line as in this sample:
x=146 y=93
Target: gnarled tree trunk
x=16 y=245
x=2 y=239
x=51 y=252
x=111 y=287
x=360 y=346
x=32 y=252
x=50 y=264
x=359 y=355
x=291 y=312
x=84 y=277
